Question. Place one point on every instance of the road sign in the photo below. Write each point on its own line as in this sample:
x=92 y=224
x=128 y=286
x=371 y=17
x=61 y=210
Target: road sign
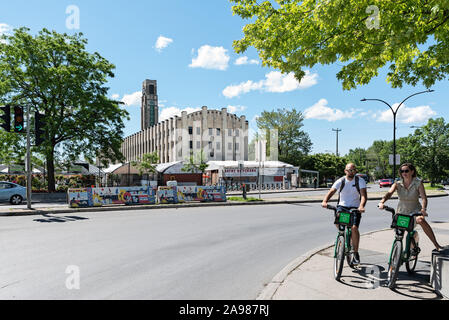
x=398 y=159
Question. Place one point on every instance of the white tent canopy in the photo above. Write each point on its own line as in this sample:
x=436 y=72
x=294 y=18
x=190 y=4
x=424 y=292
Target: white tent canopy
x=215 y=165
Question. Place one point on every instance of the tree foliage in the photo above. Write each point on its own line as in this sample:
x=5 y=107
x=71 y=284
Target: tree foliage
x=328 y=165
x=147 y=163
x=55 y=75
x=431 y=149
x=410 y=37
x=293 y=143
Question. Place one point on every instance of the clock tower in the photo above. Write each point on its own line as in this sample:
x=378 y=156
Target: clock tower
x=150 y=108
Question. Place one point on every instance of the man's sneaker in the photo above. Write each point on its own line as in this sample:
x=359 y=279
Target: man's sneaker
x=355 y=258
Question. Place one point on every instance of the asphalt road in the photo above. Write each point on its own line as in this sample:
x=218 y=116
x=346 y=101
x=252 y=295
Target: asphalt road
x=191 y=253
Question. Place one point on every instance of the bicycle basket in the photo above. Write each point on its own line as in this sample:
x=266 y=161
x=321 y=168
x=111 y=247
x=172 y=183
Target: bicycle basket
x=403 y=222
x=343 y=218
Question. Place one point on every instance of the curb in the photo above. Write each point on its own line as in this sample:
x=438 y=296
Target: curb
x=271 y=288
x=27 y=212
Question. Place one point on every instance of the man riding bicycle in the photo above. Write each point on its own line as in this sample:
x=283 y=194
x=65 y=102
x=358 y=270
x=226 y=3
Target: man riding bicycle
x=352 y=195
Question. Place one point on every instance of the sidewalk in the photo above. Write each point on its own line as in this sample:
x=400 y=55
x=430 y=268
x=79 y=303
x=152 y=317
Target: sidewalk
x=310 y=277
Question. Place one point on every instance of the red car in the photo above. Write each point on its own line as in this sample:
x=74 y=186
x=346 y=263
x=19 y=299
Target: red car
x=385 y=183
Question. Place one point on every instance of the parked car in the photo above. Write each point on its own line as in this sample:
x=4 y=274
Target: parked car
x=445 y=182
x=386 y=183
x=12 y=192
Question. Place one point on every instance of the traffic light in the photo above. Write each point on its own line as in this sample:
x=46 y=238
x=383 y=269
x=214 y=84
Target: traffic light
x=39 y=123
x=6 y=118
x=18 y=119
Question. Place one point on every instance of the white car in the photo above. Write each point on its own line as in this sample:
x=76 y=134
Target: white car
x=12 y=192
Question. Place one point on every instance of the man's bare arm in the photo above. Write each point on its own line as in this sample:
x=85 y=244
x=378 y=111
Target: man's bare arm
x=328 y=196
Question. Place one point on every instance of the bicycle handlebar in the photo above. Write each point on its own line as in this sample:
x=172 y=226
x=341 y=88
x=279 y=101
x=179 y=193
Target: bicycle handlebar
x=330 y=207
x=393 y=212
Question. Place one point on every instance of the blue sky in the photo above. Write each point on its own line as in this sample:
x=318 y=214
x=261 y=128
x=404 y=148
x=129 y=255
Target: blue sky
x=187 y=47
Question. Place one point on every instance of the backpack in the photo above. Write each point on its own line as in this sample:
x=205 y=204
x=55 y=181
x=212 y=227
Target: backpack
x=343 y=181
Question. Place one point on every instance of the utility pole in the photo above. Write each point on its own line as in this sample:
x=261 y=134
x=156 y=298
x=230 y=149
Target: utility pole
x=28 y=159
x=337 y=131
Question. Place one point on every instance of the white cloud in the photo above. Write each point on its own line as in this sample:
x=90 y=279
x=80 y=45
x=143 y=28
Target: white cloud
x=274 y=81
x=321 y=111
x=235 y=109
x=169 y=112
x=244 y=60
x=162 y=42
x=5 y=29
x=132 y=99
x=115 y=96
x=211 y=58
x=418 y=114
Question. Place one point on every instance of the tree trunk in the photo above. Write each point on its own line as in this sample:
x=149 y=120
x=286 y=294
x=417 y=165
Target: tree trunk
x=51 y=170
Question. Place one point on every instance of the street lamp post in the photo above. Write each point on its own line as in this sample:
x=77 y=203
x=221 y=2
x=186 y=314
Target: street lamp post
x=394 y=122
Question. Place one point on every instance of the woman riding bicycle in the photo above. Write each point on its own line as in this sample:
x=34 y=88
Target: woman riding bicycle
x=409 y=189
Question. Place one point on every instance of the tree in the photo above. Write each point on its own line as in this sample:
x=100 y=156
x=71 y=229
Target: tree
x=55 y=75
x=431 y=149
x=328 y=165
x=358 y=156
x=11 y=148
x=196 y=163
x=293 y=143
x=147 y=163
x=363 y=35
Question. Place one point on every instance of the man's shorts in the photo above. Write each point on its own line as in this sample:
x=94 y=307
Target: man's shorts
x=355 y=218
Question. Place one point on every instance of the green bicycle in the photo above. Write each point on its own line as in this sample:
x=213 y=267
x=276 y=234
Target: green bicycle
x=343 y=244
x=402 y=223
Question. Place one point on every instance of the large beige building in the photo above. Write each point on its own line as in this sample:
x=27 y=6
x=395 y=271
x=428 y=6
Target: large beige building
x=218 y=134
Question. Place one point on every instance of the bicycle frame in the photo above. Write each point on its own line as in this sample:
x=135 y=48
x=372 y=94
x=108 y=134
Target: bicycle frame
x=347 y=233
x=405 y=256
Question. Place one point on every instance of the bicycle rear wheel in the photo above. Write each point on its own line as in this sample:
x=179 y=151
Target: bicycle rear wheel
x=395 y=263
x=339 y=257
x=410 y=265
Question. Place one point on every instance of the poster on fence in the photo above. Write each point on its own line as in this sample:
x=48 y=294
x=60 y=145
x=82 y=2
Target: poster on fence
x=80 y=198
x=201 y=193
x=167 y=195
x=216 y=194
x=123 y=195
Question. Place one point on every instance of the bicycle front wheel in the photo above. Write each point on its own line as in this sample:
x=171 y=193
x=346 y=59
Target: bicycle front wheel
x=410 y=265
x=395 y=264
x=349 y=249
x=339 y=257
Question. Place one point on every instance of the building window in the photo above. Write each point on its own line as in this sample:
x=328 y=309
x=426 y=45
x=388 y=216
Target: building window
x=190 y=130
x=191 y=144
x=198 y=144
x=210 y=144
x=237 y=133
x=218 y=131
x=210 y=131
x=198 y=130
x=230 y=132
x=230 y=146
x=218 y=145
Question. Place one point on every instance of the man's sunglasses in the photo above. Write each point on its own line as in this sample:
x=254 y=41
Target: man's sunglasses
x=405 y=171
x=352 y=170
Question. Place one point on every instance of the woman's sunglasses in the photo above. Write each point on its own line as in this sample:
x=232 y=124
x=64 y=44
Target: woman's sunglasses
x=405 y=171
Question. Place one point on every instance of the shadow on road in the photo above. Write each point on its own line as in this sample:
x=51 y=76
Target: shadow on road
x=49 y=219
